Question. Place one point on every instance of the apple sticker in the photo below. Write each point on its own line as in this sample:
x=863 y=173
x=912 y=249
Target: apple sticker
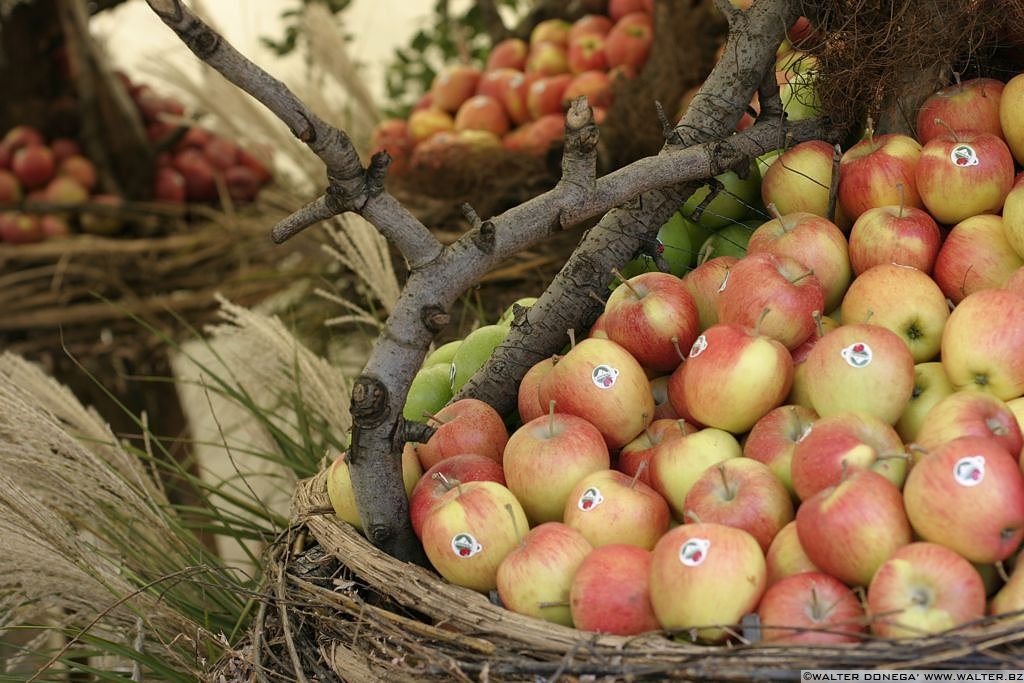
x=590 y=499
x=963 y=155
x=969 y=471
x=694 y=551
x=465 y=546
x=604 y=376
x=858 y=355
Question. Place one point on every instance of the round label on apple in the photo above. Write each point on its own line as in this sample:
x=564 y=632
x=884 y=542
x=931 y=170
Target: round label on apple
x=969 y=471
x=590 y=499
x=694 y=551
x=699 y=344
x=963 y=155
x=465 y=546
x=604 y=376
x=858 y=354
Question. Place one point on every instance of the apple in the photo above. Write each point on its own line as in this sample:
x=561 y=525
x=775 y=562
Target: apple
x=514 y=309
x=705 y=577
x=545 y=459
x=169 y=185
x=654 y=318
x=604 y=384
x=842 y=442
x=221 y=153
x=775 y=294
x=785 y=556
x=453 y=85
x=728 y=241
x=968 y=494
x=591 y=24
x=79 y=168
x=1010 y=597
x=879 y=171
x=814 y=242
x=975 y=255
x=773 y=438
x=482 y=112
x=10 y=188
x=678 y=241
x=924 y=588
x=443 y=477
x=734 y=376
x=931 y=385
x=102 y=223
x=474 y=351
x=587 y=53
x=811 y=608
x=741 y=493
x=1011 y=109
x=970 y=413
x=919 y=324
x=339 y=485
x=547 y=94
x=594 y=85
x=509 y=53
x=54 y=227
x=610 y=592
x=33 y=165
x=425 y=123
x=798 y=392
x=677 y=397
x=982 y=342
x=634 y=458
x=799 y=180
x=860 y=367
x=850 y=529
x=971 y=105
x=528 y=401
x=429 y=392
x=617 y=9
x=467 y=425
x=733 y=201
x=705 y=283
x=200 y=184
x=470 y=531
x=662 y=405
x=550 y=31
x=964 y=174
x=242 y=183
x=442 y=355
x=65 y=190
x=629 y=41
x=677 y=464
x=1013 y=216
x=547 y=59
x=535 y=577
x=20 y=228
x=796 y=73
x=610 y=507
x=894 y=234
x=21 y=136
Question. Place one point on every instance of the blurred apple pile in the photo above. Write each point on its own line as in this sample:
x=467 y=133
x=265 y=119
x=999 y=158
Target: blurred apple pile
x=823 y=428
x=517 y=101
x=56 y=171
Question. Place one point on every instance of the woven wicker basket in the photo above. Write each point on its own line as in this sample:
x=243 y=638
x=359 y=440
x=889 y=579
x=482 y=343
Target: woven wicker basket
x=346 y=610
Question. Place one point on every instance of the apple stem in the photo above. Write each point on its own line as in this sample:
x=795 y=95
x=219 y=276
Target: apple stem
x=819 y=327
x=692 y=516
x=773 y=211
x=551 y=418
x=704 y=254
x=572 y=338
x=682 y=423
x=447 y=483
x=552 y=603
x=940 y=122
x=902 y=191
x=515 y=523
x=639 y=470
x=1001 y=570
x=868 y=315
x=729 y=492
x=760 y=319
x=626 y=283
x=433 y=417
x=679 y=351
x=810 y=271
x=870 y=131
x=957 y=81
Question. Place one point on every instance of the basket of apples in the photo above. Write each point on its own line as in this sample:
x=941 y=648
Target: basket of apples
x=806 y=455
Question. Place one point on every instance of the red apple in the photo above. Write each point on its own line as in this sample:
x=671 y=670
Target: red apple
x=970 y=413
x=547 y=59
x=677 y=464
x=64 y=148
x=971 y=105
x=777 y=295
x=591 y=24
x=22 y=136
x=982 y=342
x=200 y=185
x=535 y=578
x=705 y=577
x=860 y=367
x=482 y=112
x=772 y=439
x=617 y=9
x=811 y=608
x=545 y=459
x=850 y=529
x=634 y=458
x=654 y=318
x=968 y=494
x=741 y=493
x=10 y=188
x=842 y=442
x=20 y=228
x=509 y=53
x=894 y=234
x=610 y=507
x=242 y=183
x=65 y=190
x=975 y=255
x=924 y=588
x=587 y=53
x=221 y=153
x=879 y=171
x=705 y=283
x=785 y=556
x=629 y=42
x=33 y=165
x=610 y=592
x=169 y=185
x=545 y=95
x=467 y=425
x=453 y=85
x=550 y=31
x=443 y=477
x=54 y=227
x=470 y=531
x=425 y=123
x=594 y=85
x=964 y=174
x=79 y=168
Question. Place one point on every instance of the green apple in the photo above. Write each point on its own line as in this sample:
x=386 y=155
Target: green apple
x=729 y=241
x=731 y=204
x=797 y=72
x=443 y=354
x=474 y=351
x=765 y=161
x=509 y=314
x=429 y=391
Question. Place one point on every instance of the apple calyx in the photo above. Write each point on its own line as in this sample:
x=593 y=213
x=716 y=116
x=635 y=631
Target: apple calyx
x=922 y=596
